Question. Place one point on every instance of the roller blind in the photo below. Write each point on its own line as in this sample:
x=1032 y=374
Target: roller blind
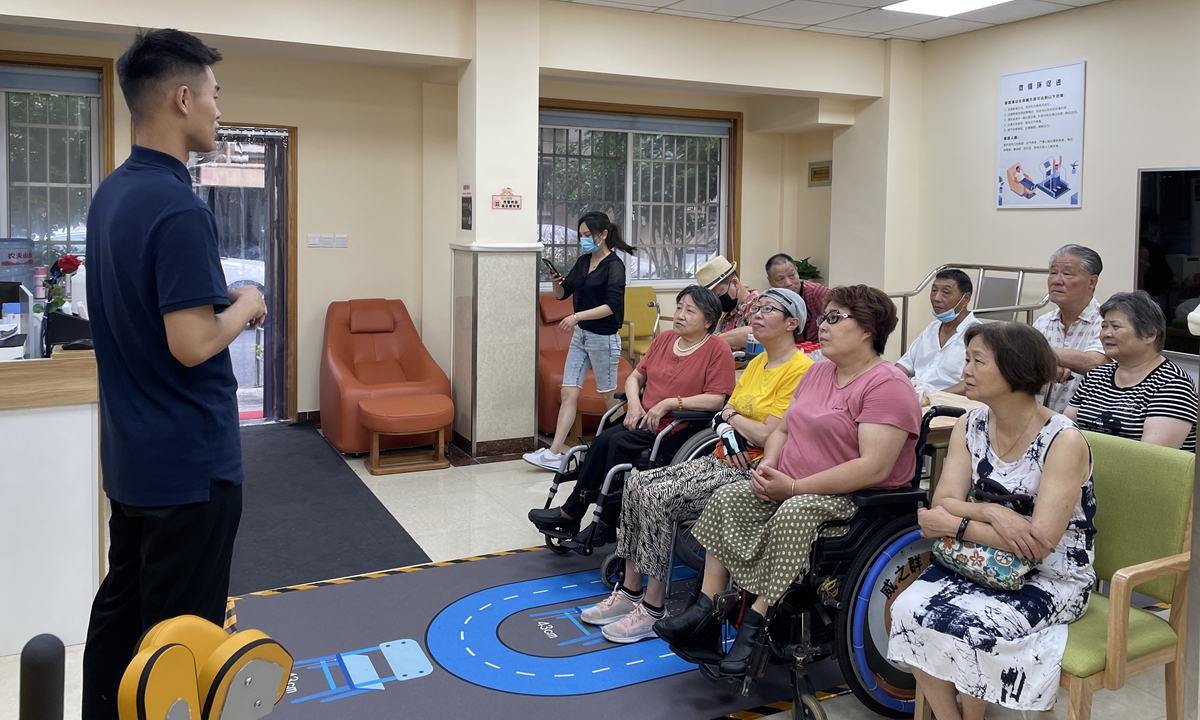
x=634 y=123
x=47 y=80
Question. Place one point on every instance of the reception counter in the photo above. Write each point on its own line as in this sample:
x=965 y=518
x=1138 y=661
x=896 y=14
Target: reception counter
x=51 y=517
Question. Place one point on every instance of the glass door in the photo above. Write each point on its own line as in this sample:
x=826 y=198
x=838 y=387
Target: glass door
x=244 y=183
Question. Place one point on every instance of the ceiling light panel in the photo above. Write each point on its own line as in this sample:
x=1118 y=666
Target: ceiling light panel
x=942 y=8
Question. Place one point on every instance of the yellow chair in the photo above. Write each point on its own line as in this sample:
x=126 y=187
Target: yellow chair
x=1143 y=533
x=187 y=668
x=641 y=322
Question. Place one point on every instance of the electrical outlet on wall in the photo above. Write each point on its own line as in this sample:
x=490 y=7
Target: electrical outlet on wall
x=327 y=241
x=341 y=241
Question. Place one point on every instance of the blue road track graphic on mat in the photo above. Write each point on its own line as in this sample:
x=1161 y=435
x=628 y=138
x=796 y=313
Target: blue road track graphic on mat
x=464 y=640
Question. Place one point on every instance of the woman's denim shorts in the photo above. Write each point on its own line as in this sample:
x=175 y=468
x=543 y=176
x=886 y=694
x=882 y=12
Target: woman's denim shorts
x=599 y=352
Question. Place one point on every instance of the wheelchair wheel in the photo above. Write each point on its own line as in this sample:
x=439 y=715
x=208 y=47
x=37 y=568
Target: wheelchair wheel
x=808 y=708
x=556 y=546
x=702 y=443
x=612 y=571
x=688 y=549
x=893 y=557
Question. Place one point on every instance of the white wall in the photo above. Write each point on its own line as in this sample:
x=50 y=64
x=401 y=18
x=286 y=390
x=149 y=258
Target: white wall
x=1141 y=111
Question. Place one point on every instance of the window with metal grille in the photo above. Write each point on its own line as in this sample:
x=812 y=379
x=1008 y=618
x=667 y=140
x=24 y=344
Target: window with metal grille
x=663 y=180
x=52 y=157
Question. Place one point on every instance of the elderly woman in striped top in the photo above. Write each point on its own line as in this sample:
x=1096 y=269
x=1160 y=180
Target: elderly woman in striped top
x=1141 y=395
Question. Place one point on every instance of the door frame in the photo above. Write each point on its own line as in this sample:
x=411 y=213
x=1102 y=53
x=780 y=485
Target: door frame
x=293 y=252
x=292 y=256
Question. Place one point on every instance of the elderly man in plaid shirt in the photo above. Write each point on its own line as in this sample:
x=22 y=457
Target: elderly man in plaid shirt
x=1073 y=328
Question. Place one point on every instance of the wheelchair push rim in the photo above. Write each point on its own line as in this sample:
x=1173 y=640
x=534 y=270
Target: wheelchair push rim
x=883 y=685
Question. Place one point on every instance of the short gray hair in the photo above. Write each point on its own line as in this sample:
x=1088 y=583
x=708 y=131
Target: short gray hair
x=1089 y=258
x=1144 y=314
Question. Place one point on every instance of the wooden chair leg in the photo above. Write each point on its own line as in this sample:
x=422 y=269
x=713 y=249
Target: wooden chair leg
x=439 y=449
x=374 y=449
x=1174 y=689
x=1079 y=707
x=577 y=426
x=922 y=711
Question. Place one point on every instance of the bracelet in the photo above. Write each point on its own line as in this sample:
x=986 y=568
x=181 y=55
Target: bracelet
x=680 y=398
x=962 y=528
x=576 y=316
x=793 y=490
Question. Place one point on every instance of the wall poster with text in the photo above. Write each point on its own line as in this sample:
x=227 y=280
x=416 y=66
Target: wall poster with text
x=1039 y=143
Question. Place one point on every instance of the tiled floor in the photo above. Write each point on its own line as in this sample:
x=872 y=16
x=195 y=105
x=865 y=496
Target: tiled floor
x=477 y=509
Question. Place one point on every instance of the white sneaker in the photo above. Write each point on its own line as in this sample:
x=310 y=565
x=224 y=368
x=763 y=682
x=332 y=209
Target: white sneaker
x=609 y=610
x=637 y=625
x=544 y=459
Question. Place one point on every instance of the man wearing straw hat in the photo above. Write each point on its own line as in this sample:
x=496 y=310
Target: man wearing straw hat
x=720 y=276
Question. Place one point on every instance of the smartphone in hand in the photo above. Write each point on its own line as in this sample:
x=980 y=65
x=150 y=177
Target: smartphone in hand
x=550 y=267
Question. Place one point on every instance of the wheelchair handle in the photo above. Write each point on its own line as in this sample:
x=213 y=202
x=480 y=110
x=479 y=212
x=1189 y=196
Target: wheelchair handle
x=933 y=412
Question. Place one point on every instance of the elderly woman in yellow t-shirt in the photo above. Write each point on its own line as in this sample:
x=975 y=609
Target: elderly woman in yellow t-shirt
x=655 y=499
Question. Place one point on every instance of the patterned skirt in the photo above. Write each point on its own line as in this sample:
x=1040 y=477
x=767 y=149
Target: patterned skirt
x=656 y=499
x=1000 y=646
x=765 y=545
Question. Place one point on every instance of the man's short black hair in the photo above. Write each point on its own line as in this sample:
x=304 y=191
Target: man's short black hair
x=156 y=57
x=960 y=278
x=779 y=259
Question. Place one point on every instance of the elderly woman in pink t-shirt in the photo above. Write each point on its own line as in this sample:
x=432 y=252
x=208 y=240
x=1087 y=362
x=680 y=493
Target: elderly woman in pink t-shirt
x=852 y=425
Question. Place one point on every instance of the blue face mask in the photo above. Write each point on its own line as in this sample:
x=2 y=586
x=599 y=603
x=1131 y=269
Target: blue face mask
x=588 y=245
x=948 y=316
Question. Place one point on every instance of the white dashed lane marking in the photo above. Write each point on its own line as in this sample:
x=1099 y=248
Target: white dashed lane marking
x=462 y=637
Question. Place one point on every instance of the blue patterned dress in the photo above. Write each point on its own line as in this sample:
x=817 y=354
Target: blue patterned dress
x=1003 y=647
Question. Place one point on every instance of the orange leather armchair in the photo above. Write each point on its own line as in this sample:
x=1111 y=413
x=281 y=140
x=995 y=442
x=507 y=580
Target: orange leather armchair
x=372 y=350
x=552 y=359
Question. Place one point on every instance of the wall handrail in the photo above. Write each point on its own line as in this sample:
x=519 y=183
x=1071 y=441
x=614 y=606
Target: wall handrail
x=1027 y=308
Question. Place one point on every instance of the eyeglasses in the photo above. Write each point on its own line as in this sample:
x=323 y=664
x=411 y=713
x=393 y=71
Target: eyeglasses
x=833 y=317
x=992 y=491
x=765 y=310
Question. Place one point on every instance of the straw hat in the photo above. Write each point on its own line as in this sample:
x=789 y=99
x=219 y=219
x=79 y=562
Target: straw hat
x=714 y=272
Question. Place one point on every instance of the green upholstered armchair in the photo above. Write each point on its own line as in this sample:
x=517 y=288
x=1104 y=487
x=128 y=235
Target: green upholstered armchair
x=1143 y=532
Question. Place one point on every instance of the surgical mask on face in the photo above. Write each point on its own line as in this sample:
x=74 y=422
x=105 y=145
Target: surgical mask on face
x=948 y=316
x=728 y=304
x=588 y=245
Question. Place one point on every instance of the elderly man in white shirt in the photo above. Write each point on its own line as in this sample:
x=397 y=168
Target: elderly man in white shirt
x=1073 y=327
x=937 y=356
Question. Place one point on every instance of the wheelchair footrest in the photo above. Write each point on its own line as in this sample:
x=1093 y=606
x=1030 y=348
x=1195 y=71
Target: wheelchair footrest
x=743 y=685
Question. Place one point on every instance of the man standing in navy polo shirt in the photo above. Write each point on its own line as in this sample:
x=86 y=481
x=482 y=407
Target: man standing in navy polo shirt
x=162 y=321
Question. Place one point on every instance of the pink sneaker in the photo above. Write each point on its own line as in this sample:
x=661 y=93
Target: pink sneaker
x=637 y=625
x=611 y=609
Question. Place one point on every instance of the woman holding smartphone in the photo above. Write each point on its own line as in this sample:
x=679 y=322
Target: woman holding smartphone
x=597 y=285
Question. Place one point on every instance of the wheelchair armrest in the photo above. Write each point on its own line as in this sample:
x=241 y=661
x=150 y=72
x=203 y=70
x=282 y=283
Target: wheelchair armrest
x=620 y=396
x=879 y=498
x=690 y=416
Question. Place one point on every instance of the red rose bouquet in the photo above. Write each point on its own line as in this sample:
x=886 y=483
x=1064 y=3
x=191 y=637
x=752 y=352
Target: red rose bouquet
x=56 y=292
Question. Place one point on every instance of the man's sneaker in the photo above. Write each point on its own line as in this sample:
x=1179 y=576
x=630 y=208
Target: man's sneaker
x=544 y=459
x=637 y=625
x=609 y=610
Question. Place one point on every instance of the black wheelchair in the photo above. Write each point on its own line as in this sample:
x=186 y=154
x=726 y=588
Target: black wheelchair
x=688 y=422
x=841 y=607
